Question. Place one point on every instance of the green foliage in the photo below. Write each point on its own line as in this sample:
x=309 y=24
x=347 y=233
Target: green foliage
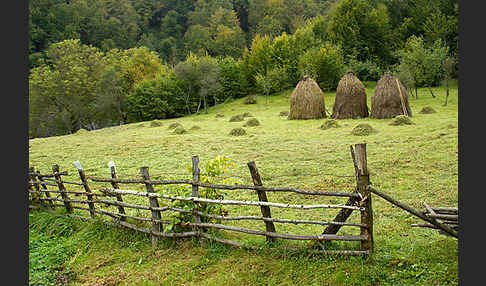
x=157 y=98
x=324 y=65
x=365 y=71
x=211 y=171
x=423 y=62
x=232 y=79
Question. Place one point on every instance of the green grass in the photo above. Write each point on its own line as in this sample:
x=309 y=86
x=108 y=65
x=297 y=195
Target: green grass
x=412 y=163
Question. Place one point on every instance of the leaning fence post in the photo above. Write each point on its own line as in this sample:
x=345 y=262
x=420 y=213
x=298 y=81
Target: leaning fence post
x=78 y=166
x=262 y=197
x=44 y=187
x=156 y=226
x=33 y=182
x=363 y=180
x=195 y=189
x=114 y=184
x=62 y=189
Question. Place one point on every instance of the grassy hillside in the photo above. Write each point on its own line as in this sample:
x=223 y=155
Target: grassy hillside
x=412 y=163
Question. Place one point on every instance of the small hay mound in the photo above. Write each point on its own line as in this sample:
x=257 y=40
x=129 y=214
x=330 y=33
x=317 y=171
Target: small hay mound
x=219 y=115
x=81 y=131
x=389 y=98
x=427 y=110
x=155 y=123
x=401 y=120
x=329 y=123
x=252 y=122
x=363 y=129
x=350 y=98
x=283 y=113
x=247 y=114
x=237 y=132
x=236 y=118
x=195 y=127
x=250 y=99
x=180 y=130
x=174 y=125
x=307 y=100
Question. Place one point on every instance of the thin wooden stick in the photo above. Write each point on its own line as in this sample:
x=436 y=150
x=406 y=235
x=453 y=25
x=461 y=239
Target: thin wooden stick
x=229 y=202
x=55 y=170
x=413 y=211
x=262 y=197
x=195 y=189
x=282 y=235
x=44 y=187
x=229 y=187
x=362 y=181
x=156 y=227
x=114 y=184
x=89 y=194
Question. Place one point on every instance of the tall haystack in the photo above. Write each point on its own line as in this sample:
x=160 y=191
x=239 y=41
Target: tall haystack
x=350 y=98
x=307 y=100
x=389 y=98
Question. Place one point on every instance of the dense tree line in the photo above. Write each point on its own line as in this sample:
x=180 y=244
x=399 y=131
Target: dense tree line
x=96 y=63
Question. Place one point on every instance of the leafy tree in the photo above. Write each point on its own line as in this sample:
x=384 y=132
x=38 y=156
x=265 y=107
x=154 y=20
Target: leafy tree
x=423 y=63
x=197 y=39
x=189 y=76
x=323 y=64
x=263 y=84
x=232 y=79
x=209 y=81
x=448 y=68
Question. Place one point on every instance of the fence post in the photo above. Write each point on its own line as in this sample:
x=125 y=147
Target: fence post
x=262 y=197
x=156 y=226
x=195 y=189
x=33 y=182
x=78 y=166
x=62 y=189
x=121 y=209
x=363 y=180
x=44 y=187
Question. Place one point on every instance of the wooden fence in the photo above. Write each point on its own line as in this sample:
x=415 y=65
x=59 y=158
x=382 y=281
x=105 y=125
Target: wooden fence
x=41 y=194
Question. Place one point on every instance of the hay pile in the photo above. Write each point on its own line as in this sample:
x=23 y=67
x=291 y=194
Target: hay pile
x=180 y=130
x=330 y=123
x=247 y=114
x=155 y=123
x=252 y=122
x=307 y=100
x=363 y=129
x=283 y=113
x=195 y=127
x=350 y=98
x=236 y=118
x=401 y=120
x=386 y=101
x=250 y=99
x=174 y=125
x=237 y=131
x=81 y=131
x=219 y=115
x=427 y=110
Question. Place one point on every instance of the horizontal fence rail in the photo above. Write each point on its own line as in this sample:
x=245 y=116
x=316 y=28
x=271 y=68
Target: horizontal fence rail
x=114 y=202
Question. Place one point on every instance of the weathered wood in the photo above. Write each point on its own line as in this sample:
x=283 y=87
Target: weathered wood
x=228 y=187
x=230 y=202
x=86 y=187
x=239 y=244
x=135 y=217
x=413 y=211
x=63 y=173
x=73 y=192
x=344 y=214
x=60 y=185
x=44 y=187
x=114 y=184
x=195 y=189
x=444 y=216
x=32 y=177
x=402 y=100
x=428 y=208
x=292 y=221
x=262 y=197
x=156 y=227
x=282 y=235
x=363 y=181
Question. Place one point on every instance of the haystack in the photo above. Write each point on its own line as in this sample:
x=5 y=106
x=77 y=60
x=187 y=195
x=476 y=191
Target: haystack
x=388 y=99
x=307 y=100
x=350 y=98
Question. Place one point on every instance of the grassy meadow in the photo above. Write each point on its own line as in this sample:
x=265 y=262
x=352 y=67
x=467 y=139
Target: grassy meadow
x=412 y=163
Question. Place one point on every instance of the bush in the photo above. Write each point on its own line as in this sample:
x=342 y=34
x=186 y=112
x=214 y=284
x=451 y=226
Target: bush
x=232 y=79
x=324 y=65
x=365 y=71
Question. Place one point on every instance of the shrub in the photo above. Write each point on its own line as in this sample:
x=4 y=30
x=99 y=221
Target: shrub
x=365 y=70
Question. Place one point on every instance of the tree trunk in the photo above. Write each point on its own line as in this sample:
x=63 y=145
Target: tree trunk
x=431 y=92
x=447 y=91
x=416 y=93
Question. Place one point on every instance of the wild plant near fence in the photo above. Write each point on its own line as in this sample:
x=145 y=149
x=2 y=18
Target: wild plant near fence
x=199 y=209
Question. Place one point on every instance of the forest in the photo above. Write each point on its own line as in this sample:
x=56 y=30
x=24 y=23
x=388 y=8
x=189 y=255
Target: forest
x=100 y=63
